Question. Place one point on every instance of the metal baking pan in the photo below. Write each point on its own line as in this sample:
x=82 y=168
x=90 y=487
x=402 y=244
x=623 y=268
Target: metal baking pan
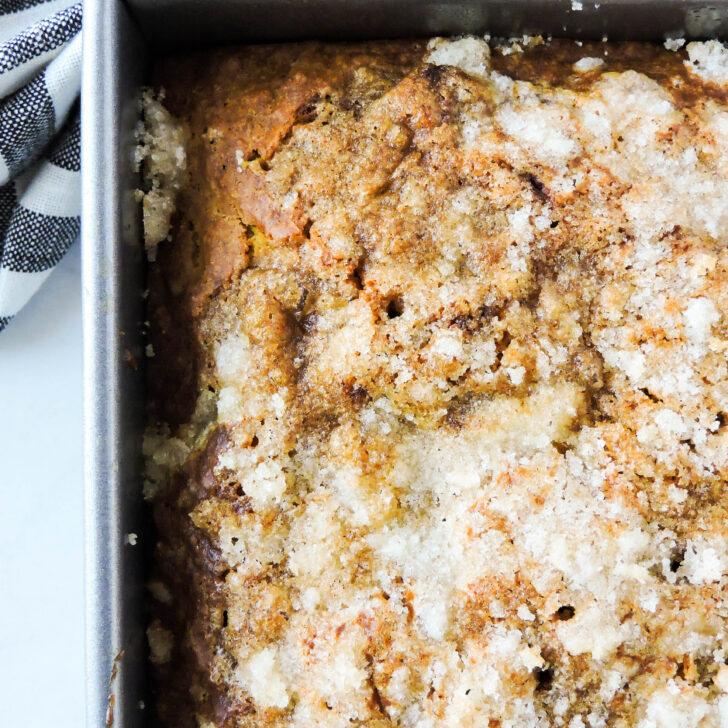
x=120 y=40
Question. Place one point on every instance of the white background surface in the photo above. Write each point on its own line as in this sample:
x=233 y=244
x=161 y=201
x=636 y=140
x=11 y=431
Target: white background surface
x=41 y=508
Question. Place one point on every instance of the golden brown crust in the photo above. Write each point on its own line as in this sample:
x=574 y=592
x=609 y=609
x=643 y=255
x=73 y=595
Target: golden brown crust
x=444 y=359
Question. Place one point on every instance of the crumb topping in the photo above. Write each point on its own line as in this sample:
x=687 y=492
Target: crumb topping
x=709 y=61
x=161 y=149
x=459 y=449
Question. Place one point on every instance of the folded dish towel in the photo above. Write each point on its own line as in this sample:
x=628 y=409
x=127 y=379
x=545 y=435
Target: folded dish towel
x=40 y=182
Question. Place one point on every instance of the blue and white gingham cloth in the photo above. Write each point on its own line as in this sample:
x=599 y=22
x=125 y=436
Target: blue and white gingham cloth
x=40 y=150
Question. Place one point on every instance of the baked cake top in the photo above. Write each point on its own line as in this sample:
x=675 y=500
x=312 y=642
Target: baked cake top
x=440 y=386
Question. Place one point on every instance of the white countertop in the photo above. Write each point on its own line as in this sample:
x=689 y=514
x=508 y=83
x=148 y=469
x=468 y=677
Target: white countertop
x=41 y=508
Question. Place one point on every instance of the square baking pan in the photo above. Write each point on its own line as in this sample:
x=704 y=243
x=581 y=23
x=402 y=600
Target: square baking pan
x=120 y=42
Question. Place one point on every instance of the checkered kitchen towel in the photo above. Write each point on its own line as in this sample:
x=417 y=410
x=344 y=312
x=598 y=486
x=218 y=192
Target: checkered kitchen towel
x=40 y=182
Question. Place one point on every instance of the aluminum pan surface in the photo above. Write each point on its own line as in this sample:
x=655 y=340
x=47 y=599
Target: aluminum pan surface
x=113 y=275
x=113 y=269
x=177 y=23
